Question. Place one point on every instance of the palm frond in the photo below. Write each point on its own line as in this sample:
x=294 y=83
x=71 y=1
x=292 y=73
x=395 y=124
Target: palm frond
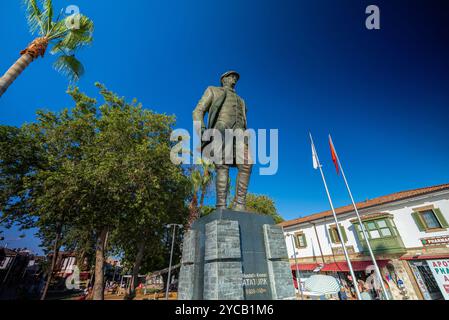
x=55 y=24
x=73 y=33
x=34 y=16
x=48 y=14
x=58 y=30
x=196 y=180
x=69 y=66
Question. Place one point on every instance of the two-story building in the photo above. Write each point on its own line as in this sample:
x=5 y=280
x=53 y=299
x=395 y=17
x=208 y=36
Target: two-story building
x=408 y=232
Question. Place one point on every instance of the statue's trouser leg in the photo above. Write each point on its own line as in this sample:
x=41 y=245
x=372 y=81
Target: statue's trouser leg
x=242 y=186
x=222 y=185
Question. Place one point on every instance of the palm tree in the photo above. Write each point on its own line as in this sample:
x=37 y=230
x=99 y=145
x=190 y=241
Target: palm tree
x=195 y=179
x=201 y=178
x=65 y=35
x=207 y=178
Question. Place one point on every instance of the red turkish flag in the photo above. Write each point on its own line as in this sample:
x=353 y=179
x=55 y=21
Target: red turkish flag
x=334 y=155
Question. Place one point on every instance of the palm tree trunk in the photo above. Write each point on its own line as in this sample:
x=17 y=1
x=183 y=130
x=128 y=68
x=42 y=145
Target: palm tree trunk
x=33 y=51
x=98 y=293
x=193 y=208
x=56 y=247
x=136 y=268
x=13 y=72
x=203 y=195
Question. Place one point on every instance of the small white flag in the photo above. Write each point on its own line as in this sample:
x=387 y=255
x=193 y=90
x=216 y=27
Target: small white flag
x=314 y=154
x=314 y=158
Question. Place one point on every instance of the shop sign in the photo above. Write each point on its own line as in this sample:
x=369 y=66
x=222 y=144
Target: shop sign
x=440 y=271
x=435 y=241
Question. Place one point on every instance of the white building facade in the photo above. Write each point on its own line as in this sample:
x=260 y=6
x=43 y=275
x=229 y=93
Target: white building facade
x=409 y=234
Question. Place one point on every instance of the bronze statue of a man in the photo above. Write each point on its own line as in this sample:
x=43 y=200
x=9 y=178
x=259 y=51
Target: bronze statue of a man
x=226 y=111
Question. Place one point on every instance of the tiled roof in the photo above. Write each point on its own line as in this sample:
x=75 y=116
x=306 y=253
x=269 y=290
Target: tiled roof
x=367 y=204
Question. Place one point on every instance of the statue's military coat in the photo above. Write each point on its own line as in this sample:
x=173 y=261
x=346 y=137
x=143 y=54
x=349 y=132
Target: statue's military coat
x=212 y=102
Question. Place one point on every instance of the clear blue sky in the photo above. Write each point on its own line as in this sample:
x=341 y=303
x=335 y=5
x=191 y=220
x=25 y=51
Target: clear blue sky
x=304 y=65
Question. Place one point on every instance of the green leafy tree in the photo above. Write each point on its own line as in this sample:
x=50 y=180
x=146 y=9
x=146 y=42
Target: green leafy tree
x=66 y=36
x=19 y=158
x=262 y=204
x=81 y=242
x=92 y=172
x=157 y=193
x=127 y=180
x=55 y=201
x=36 y=176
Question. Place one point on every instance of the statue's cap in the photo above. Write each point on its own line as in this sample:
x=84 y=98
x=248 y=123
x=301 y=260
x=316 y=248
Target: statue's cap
x=229 y=73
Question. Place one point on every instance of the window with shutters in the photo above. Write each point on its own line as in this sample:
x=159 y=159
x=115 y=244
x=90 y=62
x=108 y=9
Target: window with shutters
x=429 y=219
x=335 y=237
x=300 y=240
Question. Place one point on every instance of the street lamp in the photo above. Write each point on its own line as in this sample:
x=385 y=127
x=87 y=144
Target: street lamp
x=298 y=282
x=171 y=254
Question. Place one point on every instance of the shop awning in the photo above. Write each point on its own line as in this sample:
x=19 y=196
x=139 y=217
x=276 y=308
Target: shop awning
x=426 y=256
x=304 y=266
x=356 y=265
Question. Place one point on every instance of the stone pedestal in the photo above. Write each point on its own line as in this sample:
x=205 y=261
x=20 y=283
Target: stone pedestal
x=230 y=255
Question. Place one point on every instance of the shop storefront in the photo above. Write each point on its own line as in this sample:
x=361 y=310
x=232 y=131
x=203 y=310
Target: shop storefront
x=431 y=273
x=363 y=270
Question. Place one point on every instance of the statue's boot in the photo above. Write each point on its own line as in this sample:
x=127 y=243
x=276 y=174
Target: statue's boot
x=222 y=179
x=242 y=187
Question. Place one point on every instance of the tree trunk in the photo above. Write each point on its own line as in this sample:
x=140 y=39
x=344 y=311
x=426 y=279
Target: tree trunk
x=53 y=263
x=203 y=195
x=13 y=72
x=33 y=51
x=98 y=292
x=136 y=268
x=193 y=208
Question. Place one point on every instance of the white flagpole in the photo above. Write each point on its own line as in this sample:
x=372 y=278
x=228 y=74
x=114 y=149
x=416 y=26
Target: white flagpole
x=351 y=270
x=362 y=226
